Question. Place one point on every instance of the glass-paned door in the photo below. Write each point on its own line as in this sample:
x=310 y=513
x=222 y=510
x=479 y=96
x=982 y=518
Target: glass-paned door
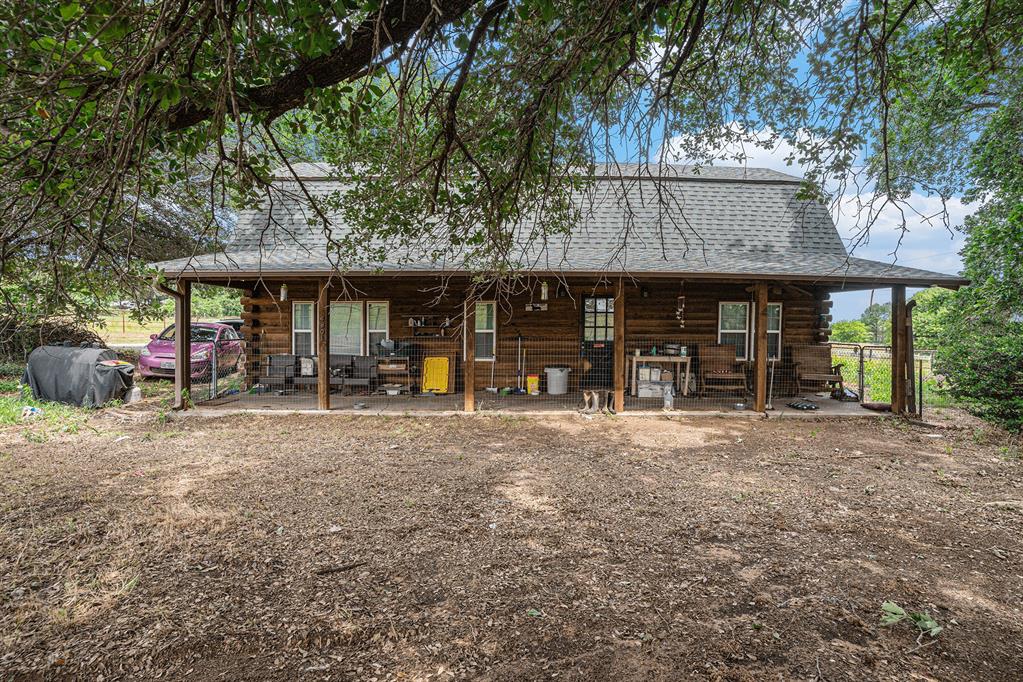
x=598 y=332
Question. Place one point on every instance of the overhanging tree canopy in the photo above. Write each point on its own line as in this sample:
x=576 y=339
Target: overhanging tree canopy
x=474 y=111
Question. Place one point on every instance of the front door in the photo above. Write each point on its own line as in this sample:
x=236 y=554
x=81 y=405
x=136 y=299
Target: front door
x=598 y=332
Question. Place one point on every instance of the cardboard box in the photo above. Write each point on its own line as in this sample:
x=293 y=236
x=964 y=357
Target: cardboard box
x=651 y=389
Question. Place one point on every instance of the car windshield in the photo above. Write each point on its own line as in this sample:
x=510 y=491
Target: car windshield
x=199 y=334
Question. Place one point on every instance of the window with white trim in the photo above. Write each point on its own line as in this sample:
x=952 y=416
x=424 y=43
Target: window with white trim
x=774 y=331
x=377 y=323
x=733 y=327
x=303 y=318
x=486 y=330
x=737 y=327
x=346 y=328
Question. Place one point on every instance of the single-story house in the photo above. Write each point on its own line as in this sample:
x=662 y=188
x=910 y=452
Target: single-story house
x=710 y=280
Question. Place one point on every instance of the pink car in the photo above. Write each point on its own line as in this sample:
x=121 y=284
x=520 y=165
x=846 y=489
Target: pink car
x=157 y=359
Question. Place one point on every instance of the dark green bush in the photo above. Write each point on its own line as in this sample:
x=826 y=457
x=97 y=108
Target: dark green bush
x=984 y=366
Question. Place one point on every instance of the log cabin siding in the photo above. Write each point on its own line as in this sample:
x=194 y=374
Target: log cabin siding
x=548 y=337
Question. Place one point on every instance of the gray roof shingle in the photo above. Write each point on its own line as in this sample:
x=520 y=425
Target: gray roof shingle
x=633 y=218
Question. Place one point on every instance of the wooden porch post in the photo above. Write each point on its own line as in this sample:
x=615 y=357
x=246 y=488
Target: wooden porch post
x=619 y=347
x=760 y=349
x=899 y=349
x=323 y=347
x=183 y=346
x=469 y=362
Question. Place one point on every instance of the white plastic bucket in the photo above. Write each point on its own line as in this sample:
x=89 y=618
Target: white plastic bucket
x=557 y=380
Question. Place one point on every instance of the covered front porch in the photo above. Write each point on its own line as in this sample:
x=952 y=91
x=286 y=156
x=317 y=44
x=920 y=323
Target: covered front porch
x=632 y=345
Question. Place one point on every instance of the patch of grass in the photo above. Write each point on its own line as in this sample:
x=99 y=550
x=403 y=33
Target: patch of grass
x=56 y=417
x=114 y=329
x=1010 y=453
x=117 y=331
x=155 y=388
x=9 y=385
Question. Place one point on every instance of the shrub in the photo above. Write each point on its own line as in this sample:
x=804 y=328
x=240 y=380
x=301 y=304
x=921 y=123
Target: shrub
x=985 y=371
x=18 y=337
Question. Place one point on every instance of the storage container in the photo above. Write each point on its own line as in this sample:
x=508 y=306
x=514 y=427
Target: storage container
x=557 y=379
x=651 y=389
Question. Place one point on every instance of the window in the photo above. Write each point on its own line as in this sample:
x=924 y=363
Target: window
x=598 y=318
x=486 y=329
x=377 y=318
x=737 y=328
x=346 y=328
x=733 y=327
x=774 y=330
x=199 y=334
x=302 y=316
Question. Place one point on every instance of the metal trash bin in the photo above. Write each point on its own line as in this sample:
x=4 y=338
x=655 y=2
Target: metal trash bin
x=557 y=379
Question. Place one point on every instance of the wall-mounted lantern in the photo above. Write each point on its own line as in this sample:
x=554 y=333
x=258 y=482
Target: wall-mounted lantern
x=544 y=291
x=284 y=292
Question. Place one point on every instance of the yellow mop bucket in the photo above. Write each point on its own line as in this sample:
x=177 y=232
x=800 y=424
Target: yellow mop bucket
x=435 y=375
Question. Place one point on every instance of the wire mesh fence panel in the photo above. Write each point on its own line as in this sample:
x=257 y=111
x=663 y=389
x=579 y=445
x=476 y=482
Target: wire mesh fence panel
x=877 y=374
x=803 y=375
x=529 y=373
x=932 y=385
x=680 y=373
x=402 y=374
x=258 y=374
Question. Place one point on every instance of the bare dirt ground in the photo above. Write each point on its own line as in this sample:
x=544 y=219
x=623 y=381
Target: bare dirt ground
x=328 y=547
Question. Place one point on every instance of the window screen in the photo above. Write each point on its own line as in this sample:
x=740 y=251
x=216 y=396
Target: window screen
x=346 y=328
x=377 y=322
x=302 y=316
x=733 y=327
x=486 y=330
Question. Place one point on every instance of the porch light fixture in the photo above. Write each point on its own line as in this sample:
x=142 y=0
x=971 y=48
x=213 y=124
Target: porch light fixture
x=284 y=292
x=544 y=291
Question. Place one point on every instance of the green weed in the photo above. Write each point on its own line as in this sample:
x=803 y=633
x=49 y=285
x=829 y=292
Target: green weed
x=893 y=614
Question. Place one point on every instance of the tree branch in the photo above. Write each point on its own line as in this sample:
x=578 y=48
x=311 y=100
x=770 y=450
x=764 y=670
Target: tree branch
x=400 y=18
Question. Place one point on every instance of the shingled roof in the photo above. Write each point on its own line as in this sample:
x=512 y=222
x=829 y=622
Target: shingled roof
x=638 y=219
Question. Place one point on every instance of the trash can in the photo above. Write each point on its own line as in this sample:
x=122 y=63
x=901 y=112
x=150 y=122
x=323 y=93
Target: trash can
x=557 y=379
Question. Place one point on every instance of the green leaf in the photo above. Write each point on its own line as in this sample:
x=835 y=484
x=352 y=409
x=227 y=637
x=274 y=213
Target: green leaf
x=893 y=613
x=926 y=623
x=70 y=10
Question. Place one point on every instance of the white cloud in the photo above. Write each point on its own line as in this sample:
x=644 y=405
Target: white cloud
x=750 y=149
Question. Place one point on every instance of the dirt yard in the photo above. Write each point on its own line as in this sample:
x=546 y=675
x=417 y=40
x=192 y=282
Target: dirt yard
x=367 y=548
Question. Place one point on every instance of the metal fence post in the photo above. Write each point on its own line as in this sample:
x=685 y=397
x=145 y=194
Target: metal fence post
x=920 y=387
x=862 y=395
x=213 y=370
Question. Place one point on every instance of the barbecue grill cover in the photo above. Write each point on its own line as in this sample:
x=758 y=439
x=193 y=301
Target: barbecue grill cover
x=76 y=376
